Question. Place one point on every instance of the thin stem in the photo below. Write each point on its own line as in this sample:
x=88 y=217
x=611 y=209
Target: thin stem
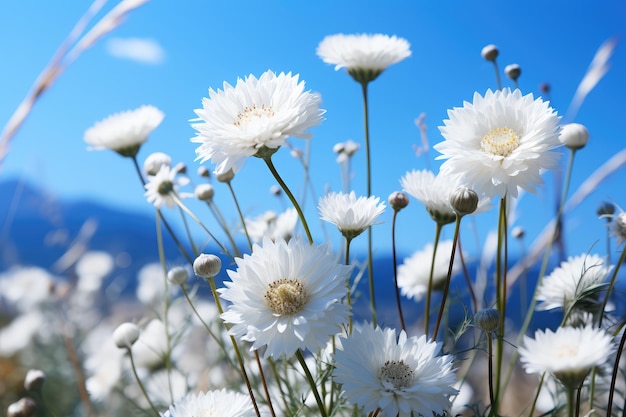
x=570 y=401
x=370 y=261
x=194 y=249
x=622 y=258
x=618 y=356
x=272 y=168
x=444 y=297
x=501 y=272
x=492 y=400
x=395 y=268
x=349 y=296
x=578 y=392
x=222 y=222
x=264 y=383
x=534 y=404
x=241 y=218
x=468 y=281
x=143 y=389
x=498 y=81
x=309 y=377
x=78 y=374
x=429 y=292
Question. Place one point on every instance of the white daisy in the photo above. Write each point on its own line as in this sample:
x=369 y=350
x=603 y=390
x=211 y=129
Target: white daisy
x=402 y=376
x=161 y=187
x=286 y=296
x=575 y=283
x=500 y=143
x=124 y=132
x=414 y=273
x=155 y=161
x=272 y=225
x=345 y=150
x=364 y=56
x=221 y=403
x=617 y=225
x=351 y=215
x=257 y=115
x=568 y=354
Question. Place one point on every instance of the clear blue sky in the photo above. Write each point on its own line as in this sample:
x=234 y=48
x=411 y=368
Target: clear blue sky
x=209 y=42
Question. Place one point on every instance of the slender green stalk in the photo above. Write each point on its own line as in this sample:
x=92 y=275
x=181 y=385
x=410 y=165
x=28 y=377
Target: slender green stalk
x=468 y=281
x=501 y=284
x=498 y=81
x=222 y=222
x=349 y=296
x=429 y=293
x=143 y=389
x=194 y=249
x=241 y=218
x=578 y=392
x=618 y=356
x=277 y=378
x=492 y=400
x=444 y=297
x=395 y=269
x=622 y=258
x=534 y=404
x=272 y=168
x=264 y=383
x=571 y=401
x=166 y=308
x=309 y=377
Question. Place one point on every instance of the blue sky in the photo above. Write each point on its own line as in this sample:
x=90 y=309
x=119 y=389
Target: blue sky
x=205 y=43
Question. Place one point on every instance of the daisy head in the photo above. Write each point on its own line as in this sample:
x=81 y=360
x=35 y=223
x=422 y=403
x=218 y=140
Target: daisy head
x=351 y=215
x=286 y=296
x=500 y=143
x=403 y=376
x=364 y=56
x=124 y=132
x=617 y=224
x=212 y=403
x=568 y=354
x=161 y=188
x=254 y=117
x=273 y=225
x=575 y=284
x=414 y=273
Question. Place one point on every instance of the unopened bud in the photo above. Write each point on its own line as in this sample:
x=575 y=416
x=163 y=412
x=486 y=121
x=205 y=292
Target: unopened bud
x=25 y=407
x=207 y=265
x=275 y=190
x=545 y=88
x=177 y=275
x=34 y=380
x=606 y=208
x=226 y=176
x=574 y=135
x=155 y=161
x=203 y=172
x=180 y=168
x=513 y=71
x=398 y=200
x=487 y=319
x=464 y=200
x=339 y=147
x=126 y=335
x=518 y=232
x=204 y=192
x=490 y=52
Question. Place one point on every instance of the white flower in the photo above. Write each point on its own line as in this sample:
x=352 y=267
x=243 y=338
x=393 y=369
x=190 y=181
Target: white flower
x=125 y=335
x=155 y=161
x=500 y=143
x=271 y=225
x=617 y=225
x=286 y=296
x=221 y=403
x=151 y=285
x=351 y=215
x=434 y=192
x=124 y=132
x=364 y=56
x=150 y=350
x=25 y=288
x=414 y=273
x=568 y=354
x=161 y=187
x=574 y=282
x=402 y=376
x=574 y=135
x=91 y=269
x=345 y=150
x=237 y=122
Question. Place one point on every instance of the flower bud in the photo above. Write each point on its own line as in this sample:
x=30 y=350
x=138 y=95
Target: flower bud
x=574 y=136
x=545 y=88
x=464 y=201
x=203 y=172
x=126 y=335
x=177 y=275
x=606 y=208
x=296 y=153
x=207 y=265
x=487 y=319
x=226 y=176
x=518 y=232
x=339 y=147
x=180 y=168
x=490 y=52
x=398 y=200
x=155 y=161
x=275 y=190
x=204 y=192
x=25 y=407
x=34 y=380
x=513 y=71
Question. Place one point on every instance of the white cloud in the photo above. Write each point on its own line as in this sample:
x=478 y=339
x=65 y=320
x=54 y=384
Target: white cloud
x=145 y=51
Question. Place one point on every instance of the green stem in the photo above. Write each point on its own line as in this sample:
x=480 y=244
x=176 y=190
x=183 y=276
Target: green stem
x=222 y=222
x=444 y=297
x=264 y=383
x=143 y=389
x=570 y=401
x=501 y=284
x=429 y=292
x=241 y=218
x=618 y=356
x=272 y=168
x=498 y=82
x=622 y=258
x=166 y=307
x=194 y=249
x=349 y=296
x=492 y=400
x=395 y=269
x=534 y=404
x=309 y=377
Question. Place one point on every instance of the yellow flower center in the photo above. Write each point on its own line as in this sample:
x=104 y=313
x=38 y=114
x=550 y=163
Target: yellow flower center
x=286 y=296
x=248 y=113
x=566 y=351
x=165 y=187
x=397 y=373
x=500 y=142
